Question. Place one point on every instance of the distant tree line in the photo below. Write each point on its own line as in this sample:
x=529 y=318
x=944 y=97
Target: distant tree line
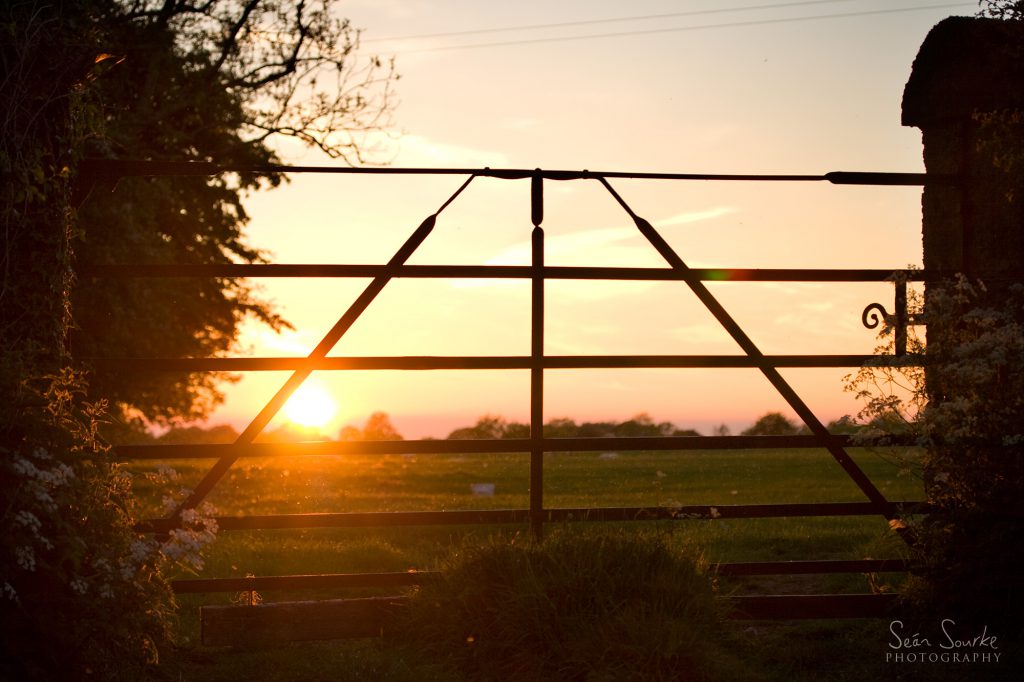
x=492 y=427
x=378 y=426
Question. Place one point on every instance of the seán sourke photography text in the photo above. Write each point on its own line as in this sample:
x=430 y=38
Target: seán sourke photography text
x=945 y=643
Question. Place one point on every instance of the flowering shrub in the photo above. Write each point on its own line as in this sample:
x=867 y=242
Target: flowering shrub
x=965 y=409
x=83 y=593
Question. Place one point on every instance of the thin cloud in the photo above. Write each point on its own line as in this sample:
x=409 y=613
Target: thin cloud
x=697 y=216
x=576 y=242
x=519 y=123
x=419 y=150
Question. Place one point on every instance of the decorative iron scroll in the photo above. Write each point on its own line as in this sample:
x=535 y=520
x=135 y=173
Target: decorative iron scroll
x=875 y=314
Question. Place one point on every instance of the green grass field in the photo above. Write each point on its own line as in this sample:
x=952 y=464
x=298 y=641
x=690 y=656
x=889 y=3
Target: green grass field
x=436 y=482
x=443 y=482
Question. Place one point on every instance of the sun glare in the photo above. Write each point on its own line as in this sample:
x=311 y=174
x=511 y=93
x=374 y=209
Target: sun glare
x=311 y=405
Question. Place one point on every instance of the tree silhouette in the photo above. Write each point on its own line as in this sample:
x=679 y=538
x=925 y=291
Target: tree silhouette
x=487 y=427
x=772 y=424
x=378 y=427
x=1012 y=10
x=212 y=81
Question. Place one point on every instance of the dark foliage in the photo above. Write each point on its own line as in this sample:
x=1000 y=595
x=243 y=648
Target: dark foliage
x=575 y=607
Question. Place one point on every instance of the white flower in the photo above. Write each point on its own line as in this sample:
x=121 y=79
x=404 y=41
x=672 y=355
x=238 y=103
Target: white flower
x=167 y=473
x=10 y=592
x=26 y=557
x=29 y=520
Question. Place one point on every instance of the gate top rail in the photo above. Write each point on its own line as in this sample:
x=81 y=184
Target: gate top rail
x=91 y=169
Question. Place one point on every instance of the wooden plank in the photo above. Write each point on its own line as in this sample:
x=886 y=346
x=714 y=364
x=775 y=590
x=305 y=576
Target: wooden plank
x=297 y=621
x=803 y=607
x=810 y=567
x=275 y=623
x=339 y=581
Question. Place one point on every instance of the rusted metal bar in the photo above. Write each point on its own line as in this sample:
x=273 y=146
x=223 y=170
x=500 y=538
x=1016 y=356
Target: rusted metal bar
x=428 y=363
x=287 y=270
x=325 y=346
x=804 y=607
x=508 y=445
x=747 y=345
x=477 y=517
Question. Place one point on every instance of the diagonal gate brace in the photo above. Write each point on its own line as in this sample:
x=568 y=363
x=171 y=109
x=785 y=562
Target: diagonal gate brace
x=770 y=372
x=217 y=471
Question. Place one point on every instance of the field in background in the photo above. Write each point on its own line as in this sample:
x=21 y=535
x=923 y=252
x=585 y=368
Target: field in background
x=446 y=482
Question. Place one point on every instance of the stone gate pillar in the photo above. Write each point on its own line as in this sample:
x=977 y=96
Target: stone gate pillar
x=966 y=94
x=968 y=68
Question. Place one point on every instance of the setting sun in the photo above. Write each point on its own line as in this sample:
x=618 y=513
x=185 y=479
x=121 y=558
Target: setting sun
x=311 y=405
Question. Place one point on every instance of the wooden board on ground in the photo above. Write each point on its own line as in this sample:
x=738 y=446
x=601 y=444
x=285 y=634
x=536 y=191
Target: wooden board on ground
x=297 y=621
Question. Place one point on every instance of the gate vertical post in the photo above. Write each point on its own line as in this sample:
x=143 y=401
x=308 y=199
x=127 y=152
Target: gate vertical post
x=537 y=358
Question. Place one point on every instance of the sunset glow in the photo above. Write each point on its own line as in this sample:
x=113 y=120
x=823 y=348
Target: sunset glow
x=743 y=97
x=311 y=405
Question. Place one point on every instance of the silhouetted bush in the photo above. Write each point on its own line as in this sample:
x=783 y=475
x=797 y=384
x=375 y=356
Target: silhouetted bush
x=575 y=607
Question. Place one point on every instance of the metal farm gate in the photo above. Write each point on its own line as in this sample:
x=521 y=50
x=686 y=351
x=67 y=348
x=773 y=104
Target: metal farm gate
x=537 y=362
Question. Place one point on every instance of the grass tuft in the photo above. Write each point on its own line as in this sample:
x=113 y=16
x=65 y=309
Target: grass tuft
x=578 y=606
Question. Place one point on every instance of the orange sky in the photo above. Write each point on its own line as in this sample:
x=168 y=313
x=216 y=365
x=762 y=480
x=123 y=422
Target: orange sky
x=776 y=91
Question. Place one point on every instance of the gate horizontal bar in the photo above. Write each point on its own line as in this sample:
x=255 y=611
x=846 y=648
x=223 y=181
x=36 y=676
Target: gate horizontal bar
x=288 y=270
x=503 y=362
x=341 y=581
x=505 y=445
x=117 y=168
x=561 y=515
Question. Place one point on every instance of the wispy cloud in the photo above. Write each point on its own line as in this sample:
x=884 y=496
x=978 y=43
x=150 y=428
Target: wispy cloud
x=519 y=123
x=701 y=334
x=696 y=216
x=289 y=342
x=579 y=242
x=419 y=150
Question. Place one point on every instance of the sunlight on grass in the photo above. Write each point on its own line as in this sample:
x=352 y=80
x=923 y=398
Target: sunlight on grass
x=446 y=482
